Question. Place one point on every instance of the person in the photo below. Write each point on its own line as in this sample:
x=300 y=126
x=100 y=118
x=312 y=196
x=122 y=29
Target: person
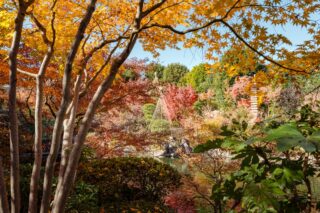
x=187 y=149
x=170 y=148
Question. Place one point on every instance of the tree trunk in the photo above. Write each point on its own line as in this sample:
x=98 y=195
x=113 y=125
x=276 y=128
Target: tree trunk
x=35 y=176
x=58 y=126
x=4 y=207
x=69 y=125
x=13 y=119
x=59 y=203
x=69 y=177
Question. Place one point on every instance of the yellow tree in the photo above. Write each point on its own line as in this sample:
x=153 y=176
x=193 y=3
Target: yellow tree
x=87 y=41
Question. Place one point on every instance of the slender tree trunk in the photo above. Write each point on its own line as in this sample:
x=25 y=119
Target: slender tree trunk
x=4 y=207
x=69 y=176
x=13 y=119
x=58 y=127
x=69 y=125
x=61 y=197
x=35 y=176
x=74 y=157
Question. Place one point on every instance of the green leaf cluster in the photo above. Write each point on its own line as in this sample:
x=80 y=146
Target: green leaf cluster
x=174 y=72
x=129 y=178
x=268 y=179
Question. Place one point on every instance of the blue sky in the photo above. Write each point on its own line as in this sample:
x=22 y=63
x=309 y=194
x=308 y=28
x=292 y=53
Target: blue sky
x=194 y=56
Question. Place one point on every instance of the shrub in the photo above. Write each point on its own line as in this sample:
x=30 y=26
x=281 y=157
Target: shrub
x=159 y=125
x=84 y=198
x=148 y=110
x=137 y=206
x=129 y=178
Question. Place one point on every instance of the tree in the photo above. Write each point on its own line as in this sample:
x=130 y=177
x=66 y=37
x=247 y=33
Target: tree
x=178 y=100
x=155 y=68
x=197 y=78
x=99 y=38
x=174 y=72
x=13 y=120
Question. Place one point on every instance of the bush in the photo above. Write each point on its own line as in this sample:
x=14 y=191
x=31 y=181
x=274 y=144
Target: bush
x=84 y=198
x=148 y=110
x=159 y=125
x=137 y=206
x=129 y=179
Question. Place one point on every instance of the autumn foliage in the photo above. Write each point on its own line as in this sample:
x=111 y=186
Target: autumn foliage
x=73 y=58
x=178 y=100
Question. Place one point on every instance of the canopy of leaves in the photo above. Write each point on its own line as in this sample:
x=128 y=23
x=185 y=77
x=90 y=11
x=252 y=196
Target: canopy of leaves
x=197 y=78
x=155 y=69
x=174 y=72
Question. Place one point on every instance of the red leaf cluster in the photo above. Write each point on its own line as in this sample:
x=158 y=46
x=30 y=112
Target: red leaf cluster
x=181 y=202
x=179 y=100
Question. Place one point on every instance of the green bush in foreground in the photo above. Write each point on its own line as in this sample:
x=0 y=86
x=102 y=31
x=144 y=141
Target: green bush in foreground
x=129 y=179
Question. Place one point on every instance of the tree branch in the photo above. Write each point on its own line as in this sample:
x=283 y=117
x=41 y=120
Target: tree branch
x=41 y=28
x=221 y=20
x=215 y=20
x=181 y=32
x=83 y=92
x=152 y=8
x=229 y=11
x=50 y=108
x=258 y=52
x=27 y=73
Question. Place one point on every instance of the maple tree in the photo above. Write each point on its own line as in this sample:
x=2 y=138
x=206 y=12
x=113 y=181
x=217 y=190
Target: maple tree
x=85 y=43
x=178 y=100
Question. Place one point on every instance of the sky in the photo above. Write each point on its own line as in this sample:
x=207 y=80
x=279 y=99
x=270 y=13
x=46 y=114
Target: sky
x=194 y=56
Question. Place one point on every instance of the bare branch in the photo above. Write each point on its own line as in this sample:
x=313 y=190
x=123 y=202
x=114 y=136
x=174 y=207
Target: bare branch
x=84 y=91
x=41 y=28
x=53 y=29
x=50 y=108
x=215 y=20
x=27 y=73
x=27 y=104
x=100 y=46
x=162 y=9
x=53 y=4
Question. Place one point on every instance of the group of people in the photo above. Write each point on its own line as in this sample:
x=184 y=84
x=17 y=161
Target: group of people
x=173 y=147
